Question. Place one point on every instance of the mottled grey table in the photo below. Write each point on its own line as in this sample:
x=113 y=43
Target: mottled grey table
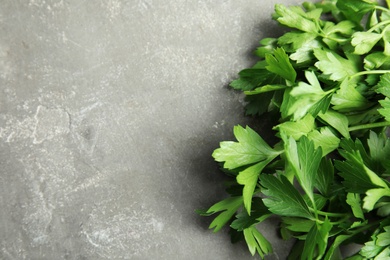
x=109 y=112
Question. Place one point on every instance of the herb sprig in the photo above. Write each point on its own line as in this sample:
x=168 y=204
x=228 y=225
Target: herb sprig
x=327 y=176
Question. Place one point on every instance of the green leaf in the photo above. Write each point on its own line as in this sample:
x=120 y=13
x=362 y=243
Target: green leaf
x=306 y=96
x=353 y=199
x=336 y=244
x=334 y=66
x=348 y=99
x=354 y=10
x=300 y=45
x=383 y=86
x=298 y=128
x=249 y=178
x=379 y=146
x=267 y=46
x=307 y=164
x=324 y=138
x=317 y=240
x=258 y=104
x=249 y=149
x=294 y=17
x=258 y=214
x=377 y=60
x=385 y=110
x=373 y=195
x=358 y=178
x=364 y=41
x=279 y=63
x=257 y=242
x=370 y=250
x=384 y=238
x=283 y=199
x=336 y=120
x=299 y=225
x=265 y=88
x=324 y=177
x=227 y=207
x=384 y=255
x=251 y=78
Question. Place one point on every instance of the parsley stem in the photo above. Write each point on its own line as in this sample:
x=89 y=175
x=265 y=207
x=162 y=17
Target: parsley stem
x=330 y=214
x=366 y=72
x=382 y=8
x=378 y=25
x=367 y=126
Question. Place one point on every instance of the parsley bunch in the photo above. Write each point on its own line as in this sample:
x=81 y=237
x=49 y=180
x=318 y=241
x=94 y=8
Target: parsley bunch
x=327 y=176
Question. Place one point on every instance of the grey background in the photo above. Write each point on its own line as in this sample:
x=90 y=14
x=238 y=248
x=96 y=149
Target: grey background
x=109 y=113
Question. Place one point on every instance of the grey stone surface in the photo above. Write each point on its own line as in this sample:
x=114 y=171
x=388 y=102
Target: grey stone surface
x=109 y=112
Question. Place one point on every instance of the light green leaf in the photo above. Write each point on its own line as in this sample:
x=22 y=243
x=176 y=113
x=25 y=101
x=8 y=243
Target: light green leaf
x=372 y=197
x=306 y=96
x=249 y=178
x=227 y=207
x=298 y=128
x=376 y=60
x=353 y=199
x=305 y=160
x=249 y=149
x=257 y=242
x=384 y=238
x=282 y=198
x=348 y=99
x=335 y=66
x=294 y=18
x=324 y=138
x=265 y=88
x=364 y=41
x=279 y=63
x=336 y=120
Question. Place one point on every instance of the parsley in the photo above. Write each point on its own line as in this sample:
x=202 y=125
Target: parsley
x=327 y=175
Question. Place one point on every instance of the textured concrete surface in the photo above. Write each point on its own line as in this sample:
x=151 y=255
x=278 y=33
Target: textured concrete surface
x=109 y=112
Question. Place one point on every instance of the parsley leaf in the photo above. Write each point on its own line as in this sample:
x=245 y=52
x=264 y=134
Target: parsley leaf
x=317 y=240
x=294 y=18
x=249 y=149
x=227 y=207
x=364 y=41
x=305 y=160
x=257 y=242
x=334 y=66
x=279 y=63
x=283 y=199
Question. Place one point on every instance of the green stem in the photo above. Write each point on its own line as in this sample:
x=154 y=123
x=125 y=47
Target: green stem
x=366 y=72
x=331 y=214
x=384 y=9
x=378 y=25
x=368 y=126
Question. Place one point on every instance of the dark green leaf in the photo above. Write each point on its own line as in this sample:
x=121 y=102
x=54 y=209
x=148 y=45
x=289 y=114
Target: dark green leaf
x=324 y=177
x=258 y=214
x=317 y=240
x=283 y=199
